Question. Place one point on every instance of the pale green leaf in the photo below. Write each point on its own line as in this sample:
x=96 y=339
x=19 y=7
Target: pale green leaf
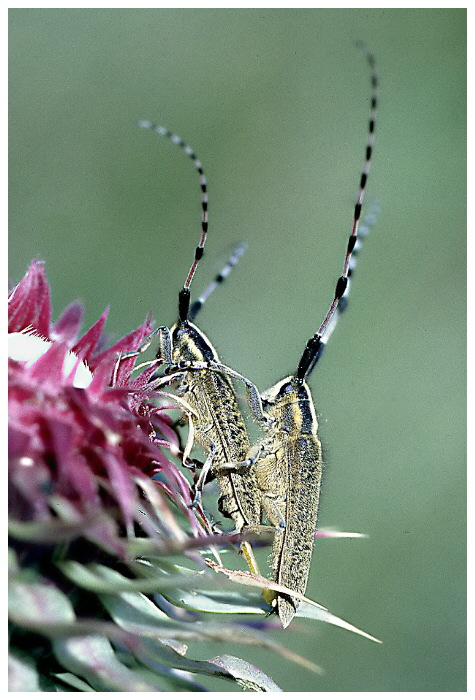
x=248 y=676
x=162 y=659
x=22 y=675
x=136 y=613
x=227 y=602
x=102 y=579
x=13 y=566
x=322 y=614
x=74 y=682
x=94 y=659
x=35 y=604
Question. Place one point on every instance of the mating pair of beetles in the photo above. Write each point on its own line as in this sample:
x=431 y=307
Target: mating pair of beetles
x=275 y=483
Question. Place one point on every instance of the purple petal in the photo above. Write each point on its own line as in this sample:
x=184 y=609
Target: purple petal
x=29 y=302
x=85 y=347
x=48 y=369
x=68 y=325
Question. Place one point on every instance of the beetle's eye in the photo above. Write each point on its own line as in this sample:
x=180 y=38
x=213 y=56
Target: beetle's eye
x=285 y=389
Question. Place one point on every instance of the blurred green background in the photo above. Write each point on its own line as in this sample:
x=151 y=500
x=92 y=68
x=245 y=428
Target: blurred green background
x=275 y=102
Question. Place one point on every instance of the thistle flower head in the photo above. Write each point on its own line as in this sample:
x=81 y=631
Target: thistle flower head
x=99 y=511
x=82 y=429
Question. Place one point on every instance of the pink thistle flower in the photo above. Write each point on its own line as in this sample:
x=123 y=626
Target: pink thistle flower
x=98 y=510
x=83 y=433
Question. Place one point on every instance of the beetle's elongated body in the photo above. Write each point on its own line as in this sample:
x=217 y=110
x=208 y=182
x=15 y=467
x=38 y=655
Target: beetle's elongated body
x=290 y=467
x=289 y=476
x=220 y=426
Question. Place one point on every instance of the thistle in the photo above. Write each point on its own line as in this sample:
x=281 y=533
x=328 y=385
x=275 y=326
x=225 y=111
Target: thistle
x=108 y=578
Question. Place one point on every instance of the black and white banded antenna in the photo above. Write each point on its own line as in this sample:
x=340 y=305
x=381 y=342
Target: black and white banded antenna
x=315 y=346
x=234 y=258
x=184 y=294
x=365 y=227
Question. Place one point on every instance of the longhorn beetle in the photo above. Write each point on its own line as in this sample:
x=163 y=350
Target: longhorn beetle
x=280 y=476
x=288 y=461
x=188 y=354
